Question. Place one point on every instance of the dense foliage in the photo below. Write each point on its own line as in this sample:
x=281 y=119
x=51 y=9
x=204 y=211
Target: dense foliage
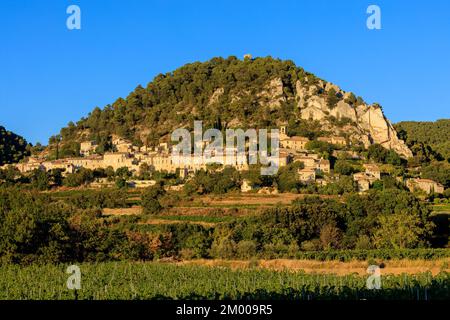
x=380 y=154
x=420 y=135
x=438 y=171
x=150 y=199
x=12 y=147
x=69 y=226
x=388 y=219
x=36 y=228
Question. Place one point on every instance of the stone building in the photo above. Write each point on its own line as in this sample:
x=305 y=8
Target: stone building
x=121 y=145
x=284 y=158
x=312 y=161
x=364 y=180
x=373 y=170
x=62 y=164
x=307 y=175
x=308 y=161
x=339 y=141
x=323 y=165
x=296 y=143
x=427 y=185
x=87 y=148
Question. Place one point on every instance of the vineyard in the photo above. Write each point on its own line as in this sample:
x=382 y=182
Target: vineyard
x=119 y=280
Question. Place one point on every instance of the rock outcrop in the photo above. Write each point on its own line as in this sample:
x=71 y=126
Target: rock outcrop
x=366 y=123
x=370 y=124
x=272 y=95
x=215 y=96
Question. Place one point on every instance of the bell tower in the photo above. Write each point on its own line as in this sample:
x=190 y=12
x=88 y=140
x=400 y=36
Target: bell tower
x=283 y=132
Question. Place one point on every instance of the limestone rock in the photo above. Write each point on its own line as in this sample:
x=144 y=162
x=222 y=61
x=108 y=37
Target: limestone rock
x=273 y=94
x=330 y=86
x=215 y=96
x=370 y=124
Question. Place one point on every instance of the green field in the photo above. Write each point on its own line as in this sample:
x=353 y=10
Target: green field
x=169 y=281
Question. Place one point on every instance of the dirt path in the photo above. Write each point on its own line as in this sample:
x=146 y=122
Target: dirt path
x=257 y=199
x=134 y=210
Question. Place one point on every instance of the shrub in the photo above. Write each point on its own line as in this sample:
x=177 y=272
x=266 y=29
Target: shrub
x=223 y=248
x=150 y=199
x=332 y=98
x=363 y=243
x=343 y=167
x=246 y=249
x=82 y=176
x=330 y=237
x=311 y=245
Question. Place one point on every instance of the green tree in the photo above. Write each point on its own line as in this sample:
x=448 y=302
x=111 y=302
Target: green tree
x=438 y=171
x=351 y=99
x=150 y=199
x=332 y=98
x=76 y=179
x=398 y=231
x=323 y=148
x=123 y=173
x=330 y=236
x=13 y=147
x=343 y=167
x=39 y=179
x=120 y=183
x=287 y=177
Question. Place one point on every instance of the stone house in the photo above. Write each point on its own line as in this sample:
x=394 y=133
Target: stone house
x=373 y=169
x=121 y=145
x=363 y=185
x=311 y=161
x=427 y=185
x=364 y=180
x=63 y=164
x=117 y=160
x=308 y=162
x=284 y=159
x=339 y=141
x=307 y=175
x=87 y=148
x=296 y=143
x=323 y=165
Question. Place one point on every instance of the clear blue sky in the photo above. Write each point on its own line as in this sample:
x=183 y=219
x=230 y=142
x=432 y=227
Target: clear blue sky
x=50 y=75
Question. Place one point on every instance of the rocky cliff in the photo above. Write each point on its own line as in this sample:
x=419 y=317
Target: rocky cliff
x=368 y=123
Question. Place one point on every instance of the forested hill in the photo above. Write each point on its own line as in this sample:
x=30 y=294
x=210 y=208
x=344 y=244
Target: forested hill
x=435 y=134
x=229 y=93
x=12 y=147
x=219 y=90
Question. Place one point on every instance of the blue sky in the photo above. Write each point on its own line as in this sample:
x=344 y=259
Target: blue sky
x=50 y=75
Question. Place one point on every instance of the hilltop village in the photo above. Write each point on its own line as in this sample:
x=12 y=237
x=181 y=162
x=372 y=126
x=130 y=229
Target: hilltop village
x=348 y=184
x=315 y=169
